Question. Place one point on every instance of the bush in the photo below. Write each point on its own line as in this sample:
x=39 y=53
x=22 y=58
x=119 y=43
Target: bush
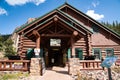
x=116 y=69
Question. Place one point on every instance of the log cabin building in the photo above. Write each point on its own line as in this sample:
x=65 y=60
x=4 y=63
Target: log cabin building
x=65 y=33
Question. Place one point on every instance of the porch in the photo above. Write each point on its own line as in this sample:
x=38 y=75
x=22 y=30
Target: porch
x=24 y=65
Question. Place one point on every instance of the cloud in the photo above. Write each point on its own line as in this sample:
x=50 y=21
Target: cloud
x=22 y=2
x=94 y=4
x=3 y=11
x=94 y=15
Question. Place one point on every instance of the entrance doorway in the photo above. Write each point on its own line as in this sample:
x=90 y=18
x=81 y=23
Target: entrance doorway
x=55 y=53
x=55 y=57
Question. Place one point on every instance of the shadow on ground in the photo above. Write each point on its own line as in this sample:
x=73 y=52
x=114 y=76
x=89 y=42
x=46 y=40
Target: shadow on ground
x=62 y=72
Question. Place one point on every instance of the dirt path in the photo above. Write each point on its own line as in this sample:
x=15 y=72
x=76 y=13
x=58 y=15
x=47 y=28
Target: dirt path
x=56 y=73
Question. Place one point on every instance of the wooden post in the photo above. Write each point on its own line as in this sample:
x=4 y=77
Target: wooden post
x=37 y=35
x=89 y=44
x=37 y=49
x=38 y=42
x=72 y=45
x=75 y=33
x=11 y=65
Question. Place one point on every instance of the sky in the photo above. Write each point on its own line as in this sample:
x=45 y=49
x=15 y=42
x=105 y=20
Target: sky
x=14 y=13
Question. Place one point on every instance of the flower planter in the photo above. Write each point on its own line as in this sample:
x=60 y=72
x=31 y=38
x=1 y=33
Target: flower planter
x=14 y=57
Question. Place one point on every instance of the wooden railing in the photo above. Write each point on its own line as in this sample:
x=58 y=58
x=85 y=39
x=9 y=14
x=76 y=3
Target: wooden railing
x=90 y=65
x=14 y=65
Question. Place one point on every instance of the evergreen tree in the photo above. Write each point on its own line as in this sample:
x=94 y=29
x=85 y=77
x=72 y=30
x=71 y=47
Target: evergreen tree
x=6 y=45
x=115 y=26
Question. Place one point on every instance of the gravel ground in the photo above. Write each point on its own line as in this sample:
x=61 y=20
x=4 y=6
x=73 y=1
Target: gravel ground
x=56 y=73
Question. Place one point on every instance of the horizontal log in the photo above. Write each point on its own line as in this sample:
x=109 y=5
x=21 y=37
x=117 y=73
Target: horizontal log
x=14 y=61
x=30 y=45
x=80 y=44
x=55 y=35
x=27 y=43
x=79 y=41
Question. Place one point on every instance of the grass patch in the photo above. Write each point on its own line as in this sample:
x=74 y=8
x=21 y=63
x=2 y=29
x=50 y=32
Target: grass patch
x=13 y=76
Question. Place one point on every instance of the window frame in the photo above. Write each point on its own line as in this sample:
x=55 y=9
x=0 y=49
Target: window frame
x=111 y=50
x=77 y=55
x=100 y=55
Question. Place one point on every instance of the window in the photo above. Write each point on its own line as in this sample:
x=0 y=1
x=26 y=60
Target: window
x=55 y=42
x=97 y=53
x=109 y=52
x=79 y=53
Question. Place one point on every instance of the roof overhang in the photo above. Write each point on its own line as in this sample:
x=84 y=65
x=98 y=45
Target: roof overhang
x=39 y=25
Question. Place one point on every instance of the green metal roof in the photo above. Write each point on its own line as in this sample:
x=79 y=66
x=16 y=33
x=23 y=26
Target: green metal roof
x=96 y=22
x=77 y=22
x=81 y=25
x=25 y=25
x=70 y=25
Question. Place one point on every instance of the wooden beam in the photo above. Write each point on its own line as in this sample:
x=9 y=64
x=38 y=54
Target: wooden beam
x=36 y=33
x=68 y=28
x=73 y=27
x=75 y=33
x=29 y=25
x=45 y=25
x=50 y=31
x=41 y=27
x=30 y=34
x=55 y=35
x=45 y=29
x=60 y=31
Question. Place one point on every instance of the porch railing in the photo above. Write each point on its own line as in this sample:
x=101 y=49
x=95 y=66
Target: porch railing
x=14 y=65
x=90 y=65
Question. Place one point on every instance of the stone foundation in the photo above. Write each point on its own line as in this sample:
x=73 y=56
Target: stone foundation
x=35 y=67
x=98 y=74
x=74 y=66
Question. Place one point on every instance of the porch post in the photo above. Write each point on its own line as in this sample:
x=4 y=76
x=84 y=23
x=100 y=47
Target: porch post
x=37 y=49
x=72 y=46
x=89 y=44
x=38 y=42
x=36 y=63
x=75 y=33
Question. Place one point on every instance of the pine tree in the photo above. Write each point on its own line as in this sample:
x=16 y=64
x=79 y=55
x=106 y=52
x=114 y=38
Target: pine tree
x=115 y=26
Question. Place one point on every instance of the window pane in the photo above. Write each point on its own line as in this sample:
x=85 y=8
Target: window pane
x=79 y=53
x=109 y=52
x=97 y=53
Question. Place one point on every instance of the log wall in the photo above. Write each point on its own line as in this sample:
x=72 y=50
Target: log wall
x=24 y=44
x=104 y=40
x=81 y=43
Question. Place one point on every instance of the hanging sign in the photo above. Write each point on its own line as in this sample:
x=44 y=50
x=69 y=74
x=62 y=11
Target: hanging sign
x=109 y=61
